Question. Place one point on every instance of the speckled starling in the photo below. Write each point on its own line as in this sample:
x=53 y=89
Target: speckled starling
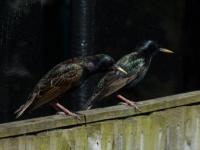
x=61 y=78
x=135 y=64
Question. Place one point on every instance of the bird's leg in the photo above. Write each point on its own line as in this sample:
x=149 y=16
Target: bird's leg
x=54 y=107
x=57 y=106
x=128 y=102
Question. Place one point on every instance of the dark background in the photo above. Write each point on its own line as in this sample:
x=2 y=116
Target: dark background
x=36 y=35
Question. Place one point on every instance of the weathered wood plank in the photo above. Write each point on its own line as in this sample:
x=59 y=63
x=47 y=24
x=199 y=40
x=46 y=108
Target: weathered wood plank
x=107 y=135
x=171 y=129
x=57 y=121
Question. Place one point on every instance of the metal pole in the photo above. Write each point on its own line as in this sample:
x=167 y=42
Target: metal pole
x=82 y=38
x=83 y=27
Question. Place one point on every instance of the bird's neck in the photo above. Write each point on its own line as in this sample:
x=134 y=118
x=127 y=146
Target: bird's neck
x=147 y=58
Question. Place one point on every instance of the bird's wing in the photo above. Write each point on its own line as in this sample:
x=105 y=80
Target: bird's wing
x=109 y=84
x=140 y=77
x=56 y=83
x=58 y=80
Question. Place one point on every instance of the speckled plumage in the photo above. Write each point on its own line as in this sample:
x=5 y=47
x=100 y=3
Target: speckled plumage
x=136 y=64
x=63 y=77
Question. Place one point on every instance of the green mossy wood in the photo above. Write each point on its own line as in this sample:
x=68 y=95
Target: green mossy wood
x=168 y=123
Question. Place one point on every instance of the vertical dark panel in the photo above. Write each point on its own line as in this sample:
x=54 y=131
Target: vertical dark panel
x=21 y=55
x=191 y=52
x=56 y=31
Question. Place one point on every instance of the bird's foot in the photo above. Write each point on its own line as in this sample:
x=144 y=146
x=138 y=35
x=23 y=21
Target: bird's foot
x=128 y=102
x=60 y=113
x=58 y=106
x=73 y=115
x=69 y=113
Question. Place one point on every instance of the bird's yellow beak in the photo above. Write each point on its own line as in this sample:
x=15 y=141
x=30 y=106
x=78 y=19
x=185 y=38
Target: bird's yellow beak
x=166 y=50
x=121 y=69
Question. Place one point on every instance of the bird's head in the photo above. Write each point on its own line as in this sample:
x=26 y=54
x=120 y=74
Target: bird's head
x=150 y=48
x=101 y=62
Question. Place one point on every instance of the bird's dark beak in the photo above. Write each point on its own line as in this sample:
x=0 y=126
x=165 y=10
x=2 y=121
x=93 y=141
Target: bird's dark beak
x=166 y=50
x=120 y=69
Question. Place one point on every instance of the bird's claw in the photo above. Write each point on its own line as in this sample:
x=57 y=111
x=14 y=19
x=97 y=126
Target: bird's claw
x=132 y=104
x=69 y=114
x=127 y=102
x=76 y=116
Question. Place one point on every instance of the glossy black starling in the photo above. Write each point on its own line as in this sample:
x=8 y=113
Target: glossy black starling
x=135 y=64
x=61 y=78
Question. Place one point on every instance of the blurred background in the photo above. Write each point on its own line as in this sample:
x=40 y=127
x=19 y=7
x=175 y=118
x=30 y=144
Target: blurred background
x=36 y=35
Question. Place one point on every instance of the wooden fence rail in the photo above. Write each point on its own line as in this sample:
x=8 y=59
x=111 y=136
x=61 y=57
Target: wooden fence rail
x=167 y=123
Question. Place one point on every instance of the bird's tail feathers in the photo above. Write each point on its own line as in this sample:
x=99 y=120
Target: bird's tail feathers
x=89 y=104
x=24 y=107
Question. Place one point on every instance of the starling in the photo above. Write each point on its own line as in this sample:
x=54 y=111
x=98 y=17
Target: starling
x=64 y=77
x=136 y=64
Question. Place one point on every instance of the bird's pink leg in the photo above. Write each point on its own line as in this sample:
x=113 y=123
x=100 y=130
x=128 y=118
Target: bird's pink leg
x=128 y=102
x=54 y=107
x=58 y=107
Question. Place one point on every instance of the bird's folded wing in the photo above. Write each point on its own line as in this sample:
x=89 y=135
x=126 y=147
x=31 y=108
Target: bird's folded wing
x=57 y=83
x=109 y=84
